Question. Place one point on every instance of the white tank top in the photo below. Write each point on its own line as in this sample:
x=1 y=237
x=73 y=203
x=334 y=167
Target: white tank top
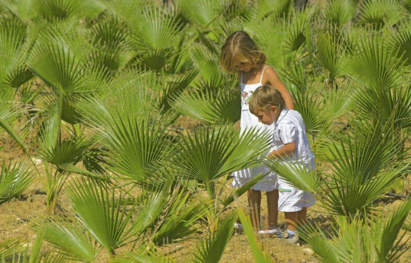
x=247 y=118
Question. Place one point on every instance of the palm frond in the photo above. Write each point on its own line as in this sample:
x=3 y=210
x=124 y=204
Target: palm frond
x=211 y=105
x=374 y=65
x=380 y=13
x=386 y=104
x=211 y=153
x=101 y=212
x=212 y=248
x=9 y=248
x=358 y=240
x=14 y=179
x=69 y=240
x=202 y=13
x=300 y=175
x=400 y=41
x=340 y=12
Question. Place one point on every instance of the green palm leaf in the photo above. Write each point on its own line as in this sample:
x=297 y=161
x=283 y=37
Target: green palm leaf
x=13 y=51
x=374 y=65
x=214 y=101
x=340 y=12
x=199 y=12
x=101 y=212
x=297 y=174
x=380 y=13
x=14 y=179
x=212 y=248
x=211 y=153
x=363 y=170
x=386 y=105
x=360 y=241
x=71 y=241
x=400 y=43
x=9 y=248
x=295 y=33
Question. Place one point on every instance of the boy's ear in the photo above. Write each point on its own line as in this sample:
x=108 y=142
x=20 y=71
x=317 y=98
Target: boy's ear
x=273 y=108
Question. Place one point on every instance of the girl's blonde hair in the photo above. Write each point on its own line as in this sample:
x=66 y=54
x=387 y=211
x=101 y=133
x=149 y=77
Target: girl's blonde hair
x=264 y=97
x=240 y=47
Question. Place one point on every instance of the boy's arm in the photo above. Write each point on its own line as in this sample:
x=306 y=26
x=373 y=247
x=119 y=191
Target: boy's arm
x=275 y=81
x=284 y=151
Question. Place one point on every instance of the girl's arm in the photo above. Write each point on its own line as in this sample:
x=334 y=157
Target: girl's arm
x=284 y=151
x=271 y=77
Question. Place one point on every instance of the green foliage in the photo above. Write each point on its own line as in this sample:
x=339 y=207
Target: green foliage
x=14 y=179
x=355 y=240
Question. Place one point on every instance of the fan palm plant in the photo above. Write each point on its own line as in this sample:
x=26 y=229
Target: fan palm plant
x=14 y=179
x=374 y=65
x=214 y=101
x=380 y=13
x=340 y=12
x=378 y=240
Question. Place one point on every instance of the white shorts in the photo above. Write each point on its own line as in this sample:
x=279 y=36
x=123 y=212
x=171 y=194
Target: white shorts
x=292 y=199
x=267 y=184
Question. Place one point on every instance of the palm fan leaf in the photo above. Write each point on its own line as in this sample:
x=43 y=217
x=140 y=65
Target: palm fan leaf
x=14 y=179
x=143 y=255
x=101 y=212
x=212 y=248
x=213 y=101
x=155 y=31
x=179 y=219
x=9 y=248
x=202 y=13
x=400 y=43
x=362 y=170
x=386 y=104
x=69 y=240
x=374 y=65
x=380 y=13
x=361 y=241
x=297 y=174
x=312 y=112
x=211 y=153
x=23 y=9
x=331 y=48
x=263 y=9
x=340 y=12
x=110 y=33
x=295 y=33
x=9 y=114
x=206 y=62
x=13 y=50
x=175 y=88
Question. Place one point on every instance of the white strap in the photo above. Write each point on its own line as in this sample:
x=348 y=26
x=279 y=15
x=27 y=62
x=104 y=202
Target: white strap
x=262 y=73
x=242 y=73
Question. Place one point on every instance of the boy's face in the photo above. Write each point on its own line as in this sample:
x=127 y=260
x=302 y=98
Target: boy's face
x=268 y=116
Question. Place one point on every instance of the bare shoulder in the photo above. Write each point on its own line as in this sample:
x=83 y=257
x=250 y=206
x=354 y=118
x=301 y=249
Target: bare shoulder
x=269 y=75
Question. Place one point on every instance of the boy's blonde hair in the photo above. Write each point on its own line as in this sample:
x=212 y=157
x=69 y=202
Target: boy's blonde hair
x=264 y=97
x=240 y=46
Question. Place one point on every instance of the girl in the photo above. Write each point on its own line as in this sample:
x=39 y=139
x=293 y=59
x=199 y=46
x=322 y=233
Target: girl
x=240 y=54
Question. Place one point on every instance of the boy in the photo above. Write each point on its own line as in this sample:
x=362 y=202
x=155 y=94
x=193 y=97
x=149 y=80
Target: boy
x=290 y=145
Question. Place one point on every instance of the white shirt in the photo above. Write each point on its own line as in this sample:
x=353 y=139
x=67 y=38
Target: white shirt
x=288 y=128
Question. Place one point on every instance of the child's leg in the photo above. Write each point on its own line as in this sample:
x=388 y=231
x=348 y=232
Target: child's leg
x=272 y=204
x=302 y=216
x=254 y=201
x=291 y=220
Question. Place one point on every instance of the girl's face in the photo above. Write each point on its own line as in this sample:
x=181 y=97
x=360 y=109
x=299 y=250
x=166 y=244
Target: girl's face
x=245 y=65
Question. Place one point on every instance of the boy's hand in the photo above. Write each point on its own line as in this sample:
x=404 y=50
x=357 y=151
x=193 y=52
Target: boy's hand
x=286 y=150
